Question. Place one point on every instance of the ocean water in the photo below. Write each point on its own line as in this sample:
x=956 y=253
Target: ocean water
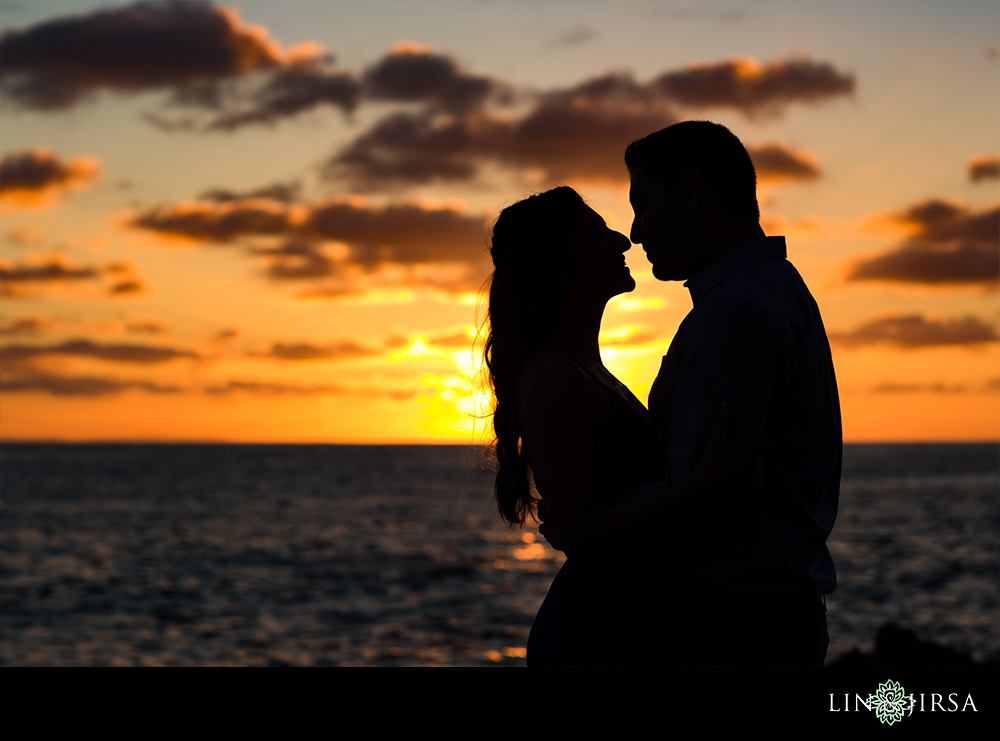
x=393 y=555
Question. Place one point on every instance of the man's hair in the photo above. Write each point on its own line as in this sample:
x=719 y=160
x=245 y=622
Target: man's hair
x=708 y=147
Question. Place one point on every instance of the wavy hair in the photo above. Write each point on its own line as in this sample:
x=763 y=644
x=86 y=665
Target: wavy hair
x=528 y=247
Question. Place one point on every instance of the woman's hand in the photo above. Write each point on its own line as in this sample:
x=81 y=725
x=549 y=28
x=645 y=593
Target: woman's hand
x=729 y=467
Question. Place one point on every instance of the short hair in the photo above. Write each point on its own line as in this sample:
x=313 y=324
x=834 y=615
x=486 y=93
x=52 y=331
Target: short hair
x=708 y=147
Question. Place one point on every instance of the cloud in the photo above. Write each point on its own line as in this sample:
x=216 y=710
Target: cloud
x=36 y=273
x=949 y=244
x=29 y=325
x=581 y=131
x=219 y=222
x=97 y=386
x=115 y=353
x=59 y=385
x=290 y=92
x=753 y=87
x=284 y=192
x=575 y=36
x=414 y=73
x=916 y=331
x=37 y=177
x=298 y=259
x=776 y=162
x=282 y=389
x=409 y=73
x=402 y=232
x=306 y=351
x=410 y=243
x=27 y=278
x=26 y=235
x=936 y=388
x=184 y=47
x=450 y=340
x=984 y=167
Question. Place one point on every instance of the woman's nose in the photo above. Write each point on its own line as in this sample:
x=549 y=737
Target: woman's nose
x=624 y=244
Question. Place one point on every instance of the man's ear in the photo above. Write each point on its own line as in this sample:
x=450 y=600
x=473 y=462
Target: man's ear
x=692 y=188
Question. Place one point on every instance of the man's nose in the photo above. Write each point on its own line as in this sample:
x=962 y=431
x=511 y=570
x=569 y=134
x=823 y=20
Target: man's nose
x=634 y=232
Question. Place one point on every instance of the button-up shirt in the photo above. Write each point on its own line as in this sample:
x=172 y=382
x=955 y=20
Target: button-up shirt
x=755 y=339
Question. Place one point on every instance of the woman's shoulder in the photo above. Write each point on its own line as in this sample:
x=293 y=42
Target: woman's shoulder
x=552 y=380
x=549 y=369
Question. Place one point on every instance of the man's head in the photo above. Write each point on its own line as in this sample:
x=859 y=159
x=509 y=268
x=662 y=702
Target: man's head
x=693 y=186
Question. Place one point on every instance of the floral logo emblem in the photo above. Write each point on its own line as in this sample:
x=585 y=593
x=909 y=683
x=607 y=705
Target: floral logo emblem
x=890 y=702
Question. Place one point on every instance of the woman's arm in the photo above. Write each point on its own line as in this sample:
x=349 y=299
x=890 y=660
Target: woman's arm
x=557 y=409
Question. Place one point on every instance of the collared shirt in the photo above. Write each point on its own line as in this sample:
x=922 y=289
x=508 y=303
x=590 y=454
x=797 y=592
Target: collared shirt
x=755 y=339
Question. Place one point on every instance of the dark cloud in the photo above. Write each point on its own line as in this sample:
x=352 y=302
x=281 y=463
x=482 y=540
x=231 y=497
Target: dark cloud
x=117 y=353
x=413 y=73
x=950 y=244
x=29 y=325
x=781 y=162
x=284 y=192
x=218 y=222
x=407 y=74
x=577 y=132
x=282 y=389
x=415 y=149
x=936 y=388
x=58 y=385
x=403 y=244
x=147 y=326
x=298 y=260
x=406 y=233
x=126 y=287
x=753 y=87
x=54 y=270
x=34 y=275
x=984 y=167
x=290 y=92
x=306 y=351
x=178 y=46
x=581 y=131
x=38 y=175
x=916 y=331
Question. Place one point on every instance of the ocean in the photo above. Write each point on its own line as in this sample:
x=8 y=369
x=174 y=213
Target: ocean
x=337 y=555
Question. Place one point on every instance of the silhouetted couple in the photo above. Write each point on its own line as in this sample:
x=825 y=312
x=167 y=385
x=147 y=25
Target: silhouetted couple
x=695 y=532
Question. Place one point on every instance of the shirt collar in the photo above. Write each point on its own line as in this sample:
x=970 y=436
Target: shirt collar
x=762 y=248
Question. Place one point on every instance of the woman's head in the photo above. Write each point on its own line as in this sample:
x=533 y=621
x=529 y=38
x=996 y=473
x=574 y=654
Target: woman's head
x=549 y=251
x=550 y=245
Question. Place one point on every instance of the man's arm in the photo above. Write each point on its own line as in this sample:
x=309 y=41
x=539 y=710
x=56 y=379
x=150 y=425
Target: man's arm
x=730 y=355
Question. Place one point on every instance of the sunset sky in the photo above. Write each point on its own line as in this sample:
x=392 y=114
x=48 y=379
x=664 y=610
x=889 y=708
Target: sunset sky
x=268 y=221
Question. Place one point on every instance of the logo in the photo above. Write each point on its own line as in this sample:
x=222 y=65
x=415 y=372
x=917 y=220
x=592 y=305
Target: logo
x=891 y=703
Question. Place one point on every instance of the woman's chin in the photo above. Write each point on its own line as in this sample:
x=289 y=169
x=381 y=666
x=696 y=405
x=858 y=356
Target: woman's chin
x=626 y=286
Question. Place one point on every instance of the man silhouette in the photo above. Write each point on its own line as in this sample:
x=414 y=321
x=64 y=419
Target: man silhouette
x=755 y=570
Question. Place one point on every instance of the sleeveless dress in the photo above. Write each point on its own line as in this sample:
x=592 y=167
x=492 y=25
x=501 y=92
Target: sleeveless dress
x=617 y=614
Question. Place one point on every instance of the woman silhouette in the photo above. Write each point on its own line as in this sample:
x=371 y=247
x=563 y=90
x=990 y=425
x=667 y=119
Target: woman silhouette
x=564 y=421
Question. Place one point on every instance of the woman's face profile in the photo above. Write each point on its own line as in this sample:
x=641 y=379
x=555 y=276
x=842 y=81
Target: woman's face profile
x=597 y=258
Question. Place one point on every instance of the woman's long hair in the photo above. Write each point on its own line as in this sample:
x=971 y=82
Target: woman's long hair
x=529 y=251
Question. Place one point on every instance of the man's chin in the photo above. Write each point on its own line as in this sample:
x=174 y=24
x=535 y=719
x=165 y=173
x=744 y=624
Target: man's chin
x=664 y=272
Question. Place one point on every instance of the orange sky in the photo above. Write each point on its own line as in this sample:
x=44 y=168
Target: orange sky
x=279 y=235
